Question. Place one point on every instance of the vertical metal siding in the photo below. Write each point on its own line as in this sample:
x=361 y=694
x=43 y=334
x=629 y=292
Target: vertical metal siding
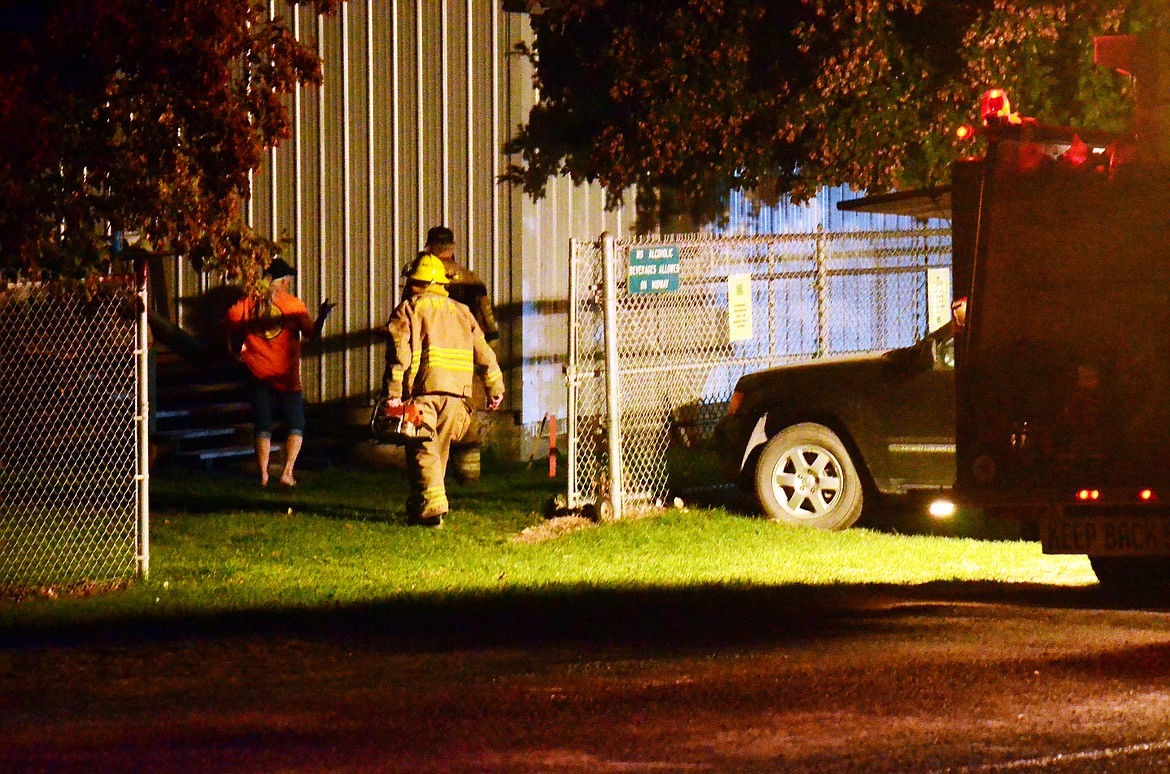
x=404 y=134
x=748 y=218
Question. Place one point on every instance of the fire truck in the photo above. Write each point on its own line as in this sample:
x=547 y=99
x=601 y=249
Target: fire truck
x=1061 y=277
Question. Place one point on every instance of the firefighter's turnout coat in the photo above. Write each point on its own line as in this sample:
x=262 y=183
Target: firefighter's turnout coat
x=435 y=348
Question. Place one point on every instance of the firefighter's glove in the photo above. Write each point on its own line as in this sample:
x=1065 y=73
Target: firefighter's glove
x=493 y=403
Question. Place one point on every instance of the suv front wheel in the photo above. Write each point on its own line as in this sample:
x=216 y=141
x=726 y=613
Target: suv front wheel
x=806 y=478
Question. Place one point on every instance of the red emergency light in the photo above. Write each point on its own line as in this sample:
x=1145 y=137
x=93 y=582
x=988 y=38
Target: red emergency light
x=995 y=106
x=964 y=132
x=1147 y=495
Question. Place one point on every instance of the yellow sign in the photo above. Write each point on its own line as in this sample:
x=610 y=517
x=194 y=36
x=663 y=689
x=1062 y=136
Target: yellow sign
x=938 y=297
x=739 y=307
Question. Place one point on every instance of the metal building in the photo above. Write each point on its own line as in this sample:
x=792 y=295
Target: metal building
x=405 y=133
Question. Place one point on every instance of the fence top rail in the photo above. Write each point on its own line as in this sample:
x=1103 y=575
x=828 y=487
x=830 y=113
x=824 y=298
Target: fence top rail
x=766 y=239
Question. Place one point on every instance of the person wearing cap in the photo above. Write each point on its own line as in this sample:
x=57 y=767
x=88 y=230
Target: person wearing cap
x=435 y=347
x=265 y=330
x=467 y=288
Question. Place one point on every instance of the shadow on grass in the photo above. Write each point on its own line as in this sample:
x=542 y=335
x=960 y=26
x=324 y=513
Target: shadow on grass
x=198 y=492
x=651 y=619
x=348 y=494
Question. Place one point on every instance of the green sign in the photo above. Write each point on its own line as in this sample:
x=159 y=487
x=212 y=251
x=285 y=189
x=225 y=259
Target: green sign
x=653 y=269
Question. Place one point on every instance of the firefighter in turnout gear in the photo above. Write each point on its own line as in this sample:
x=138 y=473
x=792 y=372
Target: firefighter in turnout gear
x=435 y=348
x=467 y=288
x=465 y=285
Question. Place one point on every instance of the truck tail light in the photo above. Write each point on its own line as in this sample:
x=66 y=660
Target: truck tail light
x=1147 y=495
x=1089 y=494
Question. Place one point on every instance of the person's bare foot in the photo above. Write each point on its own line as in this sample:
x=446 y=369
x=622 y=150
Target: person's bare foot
x=288 y=481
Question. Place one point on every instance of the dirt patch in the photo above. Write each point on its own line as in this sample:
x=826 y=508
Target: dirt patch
x=76 y=589
x=553 y=528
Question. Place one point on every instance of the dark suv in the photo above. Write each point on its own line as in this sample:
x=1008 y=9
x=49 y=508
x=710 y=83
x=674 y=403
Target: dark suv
x=816 y=439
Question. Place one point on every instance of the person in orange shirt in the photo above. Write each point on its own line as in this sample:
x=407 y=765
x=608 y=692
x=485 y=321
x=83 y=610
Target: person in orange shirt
x=267 y=329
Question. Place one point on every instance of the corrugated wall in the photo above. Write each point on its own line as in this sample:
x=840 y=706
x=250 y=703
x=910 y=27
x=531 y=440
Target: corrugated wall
x=540 y=232
x=748 y=218
x=404 y=134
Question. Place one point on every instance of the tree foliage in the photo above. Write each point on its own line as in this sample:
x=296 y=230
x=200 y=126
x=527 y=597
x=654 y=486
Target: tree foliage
x=140 y=116
x=691 y=99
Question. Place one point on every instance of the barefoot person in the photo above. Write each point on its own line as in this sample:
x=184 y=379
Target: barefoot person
x=267 y=328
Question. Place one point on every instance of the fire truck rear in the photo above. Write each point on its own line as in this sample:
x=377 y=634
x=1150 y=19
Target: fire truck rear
x=1062 y=285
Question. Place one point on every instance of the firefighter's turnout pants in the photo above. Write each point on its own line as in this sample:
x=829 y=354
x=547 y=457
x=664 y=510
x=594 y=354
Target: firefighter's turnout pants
x=454 y=425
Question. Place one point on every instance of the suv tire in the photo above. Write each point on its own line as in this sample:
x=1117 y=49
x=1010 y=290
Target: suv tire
x=805 y=477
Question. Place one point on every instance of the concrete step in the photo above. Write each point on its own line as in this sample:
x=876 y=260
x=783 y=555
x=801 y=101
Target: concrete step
x=202 y=406
x=198 y=391
x=196 y=432
x=196 y=438
x=209 y=456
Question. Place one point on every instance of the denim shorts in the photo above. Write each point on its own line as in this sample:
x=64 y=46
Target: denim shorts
x=292 y=408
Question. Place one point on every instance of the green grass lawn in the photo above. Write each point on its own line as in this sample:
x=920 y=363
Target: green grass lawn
x=223 y=546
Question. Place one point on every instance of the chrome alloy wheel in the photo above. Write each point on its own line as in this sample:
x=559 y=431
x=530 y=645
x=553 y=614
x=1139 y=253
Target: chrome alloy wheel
x=806 y=477
x=807 y=481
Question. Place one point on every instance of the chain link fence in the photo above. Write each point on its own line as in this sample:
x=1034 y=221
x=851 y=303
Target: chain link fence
x=689 y=316
x=70 y=448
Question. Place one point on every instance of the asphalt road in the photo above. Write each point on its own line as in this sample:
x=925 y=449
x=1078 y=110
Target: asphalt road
x=944 y=678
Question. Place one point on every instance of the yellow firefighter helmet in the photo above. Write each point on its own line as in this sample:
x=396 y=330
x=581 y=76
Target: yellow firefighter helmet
x=428 y=268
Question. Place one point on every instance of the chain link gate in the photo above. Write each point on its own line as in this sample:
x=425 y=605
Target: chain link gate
x=73 y=441
x=663 y=358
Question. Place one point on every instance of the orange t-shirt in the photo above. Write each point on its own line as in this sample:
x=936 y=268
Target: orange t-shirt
x=272 y=337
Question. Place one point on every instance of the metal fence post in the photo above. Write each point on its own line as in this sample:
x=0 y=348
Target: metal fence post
x=822 y=289
x=612 y=402
x=571 y=377
x=142 y=420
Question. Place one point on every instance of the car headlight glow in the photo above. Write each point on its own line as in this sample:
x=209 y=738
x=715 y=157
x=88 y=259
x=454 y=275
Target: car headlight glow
x=942 y=509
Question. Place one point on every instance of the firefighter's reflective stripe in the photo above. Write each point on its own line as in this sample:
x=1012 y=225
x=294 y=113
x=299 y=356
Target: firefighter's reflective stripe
x=494 y=380
x=432 y=299
x=445 y=357
x=434 y=500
